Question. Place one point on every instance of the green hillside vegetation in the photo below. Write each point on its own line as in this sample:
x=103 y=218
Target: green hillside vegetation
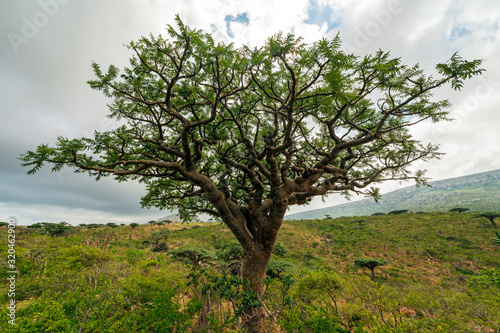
x=435 y=272
x=477 y=192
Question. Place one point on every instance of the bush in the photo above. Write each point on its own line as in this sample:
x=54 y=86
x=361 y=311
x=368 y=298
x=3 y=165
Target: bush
x=160 y=247
x=280 y=250
x=278 y=267
x=229 y=252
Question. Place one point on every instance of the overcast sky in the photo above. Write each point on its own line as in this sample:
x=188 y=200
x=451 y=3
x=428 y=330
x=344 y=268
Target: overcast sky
x=47 y=47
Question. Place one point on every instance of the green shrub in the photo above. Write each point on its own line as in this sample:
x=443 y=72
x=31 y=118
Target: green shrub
x=280 y=250
x=278 y=267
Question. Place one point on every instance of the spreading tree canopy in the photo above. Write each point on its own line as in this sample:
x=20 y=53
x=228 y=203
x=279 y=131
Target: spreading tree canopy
x=242 y=134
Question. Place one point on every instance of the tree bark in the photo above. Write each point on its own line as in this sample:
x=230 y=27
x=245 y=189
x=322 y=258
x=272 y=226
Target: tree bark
x=255 y=265
x=257 y=256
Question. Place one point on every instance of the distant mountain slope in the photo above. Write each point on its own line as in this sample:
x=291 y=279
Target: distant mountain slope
x=478 y=192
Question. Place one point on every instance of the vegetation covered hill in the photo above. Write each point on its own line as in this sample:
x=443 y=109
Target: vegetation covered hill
x=436 y=272
x=478 y=192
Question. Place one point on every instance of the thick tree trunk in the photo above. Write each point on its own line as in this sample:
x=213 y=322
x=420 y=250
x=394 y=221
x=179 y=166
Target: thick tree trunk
x=257 y=237
x=254 y=270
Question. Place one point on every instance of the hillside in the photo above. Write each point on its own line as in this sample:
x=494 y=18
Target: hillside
x=441 y=273
x=478 y=192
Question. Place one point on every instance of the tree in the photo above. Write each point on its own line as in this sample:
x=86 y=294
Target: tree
x=369 y=263
x=57 y=229
x=194 y=254
x=459 y=209
x=399 y=211
x=243 y=134
x=112 y=225
x=158 y=236
x=132 y=227
x=491 y=216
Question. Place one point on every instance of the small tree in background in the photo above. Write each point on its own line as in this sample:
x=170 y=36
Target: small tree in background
x=195 y=255
x=57 y=229
x=491 y=216
x=359 y=222
x=132 y=227
x=459 y=209
x=399 y=211
x=159 y=240
x=112 y=225
x=369 y=263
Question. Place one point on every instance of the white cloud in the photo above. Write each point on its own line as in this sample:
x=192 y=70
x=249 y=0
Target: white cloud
x=45 y=93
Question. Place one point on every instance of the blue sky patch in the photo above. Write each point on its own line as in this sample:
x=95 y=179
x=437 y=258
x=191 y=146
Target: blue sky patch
x=319 y=14
x=459 y=31
x=241 y=18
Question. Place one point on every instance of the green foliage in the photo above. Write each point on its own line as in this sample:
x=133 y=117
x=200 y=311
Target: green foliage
x=59 y=229
x=369 y=263
x=497 y=240
x=230 y=251
x=134 y=225
x=491 y=216
x=486 y=278
x=458 y=70
x=218 y=94
x=321 y=284
x=278 y=267
x=195 y=255
x=159 y=240
x=280 y=250
x=78 y=257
